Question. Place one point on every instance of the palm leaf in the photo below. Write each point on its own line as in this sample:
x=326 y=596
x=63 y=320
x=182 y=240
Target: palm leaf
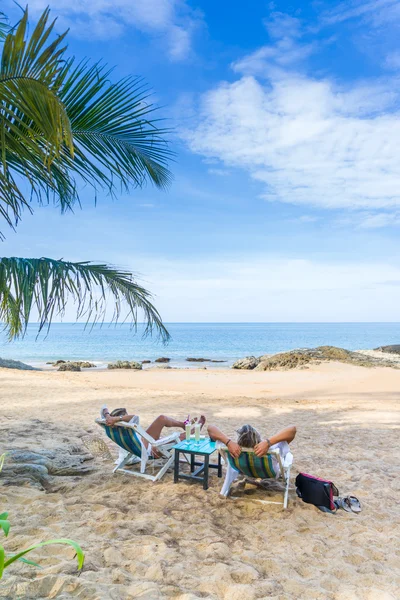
x=46 y=285
x=34 y=125
x=4 y=26
x=115 y=140
x=61 y=123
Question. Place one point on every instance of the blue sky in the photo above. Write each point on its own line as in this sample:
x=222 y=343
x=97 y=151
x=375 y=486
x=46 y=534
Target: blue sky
x=286 y=192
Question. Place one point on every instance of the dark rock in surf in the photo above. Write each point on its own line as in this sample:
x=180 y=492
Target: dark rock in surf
x=125 y=364
x=69 y=367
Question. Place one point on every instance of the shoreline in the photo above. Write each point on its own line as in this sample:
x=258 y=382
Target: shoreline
x=184 y=364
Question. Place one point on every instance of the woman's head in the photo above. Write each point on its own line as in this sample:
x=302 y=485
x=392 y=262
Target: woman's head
x=248 y=436
x=119 y=412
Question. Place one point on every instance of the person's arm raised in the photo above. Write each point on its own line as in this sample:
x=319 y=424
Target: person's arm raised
x=218 y=436
x=286 y=435
x=112 y=420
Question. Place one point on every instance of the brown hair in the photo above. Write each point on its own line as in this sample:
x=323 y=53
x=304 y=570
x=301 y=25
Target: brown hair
x=248 y=436
x=118 y=412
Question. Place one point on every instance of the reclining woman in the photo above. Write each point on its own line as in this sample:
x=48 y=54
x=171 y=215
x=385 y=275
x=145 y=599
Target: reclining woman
x=155 y=429
x=249 y=437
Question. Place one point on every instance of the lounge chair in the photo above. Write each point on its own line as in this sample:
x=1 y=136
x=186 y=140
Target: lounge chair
x=129 y=436
x=254 y=467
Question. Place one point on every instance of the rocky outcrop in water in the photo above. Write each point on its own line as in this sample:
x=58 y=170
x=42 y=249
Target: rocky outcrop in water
x=162 y=359
x=190 y=359
x=286 y=360
x=249 y=363
x=393 y=349
x=15 y=364
x=69 y=366
x=125 y=364
x=85 y=364
x=304 y=357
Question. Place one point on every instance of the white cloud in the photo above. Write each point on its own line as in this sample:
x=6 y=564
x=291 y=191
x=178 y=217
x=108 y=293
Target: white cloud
x=393 y=61
x=272 y=289
x=280 y=25
x=262 y=288
x=307 y=219
x=219 y=172
x=284 y=53
x=309 y=141
x=377 y=13
x=171 y=20
x=379 y=220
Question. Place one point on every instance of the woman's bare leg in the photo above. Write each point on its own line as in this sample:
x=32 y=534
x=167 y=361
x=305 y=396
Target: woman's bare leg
x=162 y=421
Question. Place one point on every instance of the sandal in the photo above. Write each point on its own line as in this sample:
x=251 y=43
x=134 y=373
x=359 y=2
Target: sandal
x=353 y=503
x=341 y=503
x=349 y=504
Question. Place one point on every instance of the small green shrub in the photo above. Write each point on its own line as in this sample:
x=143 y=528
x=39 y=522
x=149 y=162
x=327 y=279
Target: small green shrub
x=6 y=561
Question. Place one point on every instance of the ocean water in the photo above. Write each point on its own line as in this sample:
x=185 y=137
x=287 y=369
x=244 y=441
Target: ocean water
x=219 y=341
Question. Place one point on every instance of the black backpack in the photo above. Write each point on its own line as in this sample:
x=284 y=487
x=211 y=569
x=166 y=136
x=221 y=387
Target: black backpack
x=314 y=490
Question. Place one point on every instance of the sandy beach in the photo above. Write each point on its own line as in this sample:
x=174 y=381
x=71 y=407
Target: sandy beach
x=155 y=541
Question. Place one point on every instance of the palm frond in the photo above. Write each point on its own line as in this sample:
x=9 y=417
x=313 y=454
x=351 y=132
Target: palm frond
x=34 y=125
x=115 y=139
x=4 y=26
x=61 y=124
x=45 y=285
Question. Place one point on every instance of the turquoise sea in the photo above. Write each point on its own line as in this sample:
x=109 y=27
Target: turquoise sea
x=220 y=341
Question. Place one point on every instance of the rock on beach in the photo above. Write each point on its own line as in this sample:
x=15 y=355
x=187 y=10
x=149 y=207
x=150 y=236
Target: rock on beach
x=249 y=363
x=15 y=364
x=211 y=360
x=125 y=364
x=69 y=366
x=393 y=349
x=301 y=358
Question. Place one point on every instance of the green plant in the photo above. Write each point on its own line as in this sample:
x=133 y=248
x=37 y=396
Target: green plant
x=6 y=561
x=64 y=125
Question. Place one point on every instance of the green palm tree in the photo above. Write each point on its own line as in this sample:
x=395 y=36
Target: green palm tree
x=64 y=125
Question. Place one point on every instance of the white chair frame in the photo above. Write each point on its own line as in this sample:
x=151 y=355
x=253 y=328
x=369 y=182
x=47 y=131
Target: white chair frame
x=284 y=474
x=163 y=446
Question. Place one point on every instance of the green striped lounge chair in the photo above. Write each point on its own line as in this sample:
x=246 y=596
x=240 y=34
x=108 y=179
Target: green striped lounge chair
x=129 y=436
x=254 y=467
